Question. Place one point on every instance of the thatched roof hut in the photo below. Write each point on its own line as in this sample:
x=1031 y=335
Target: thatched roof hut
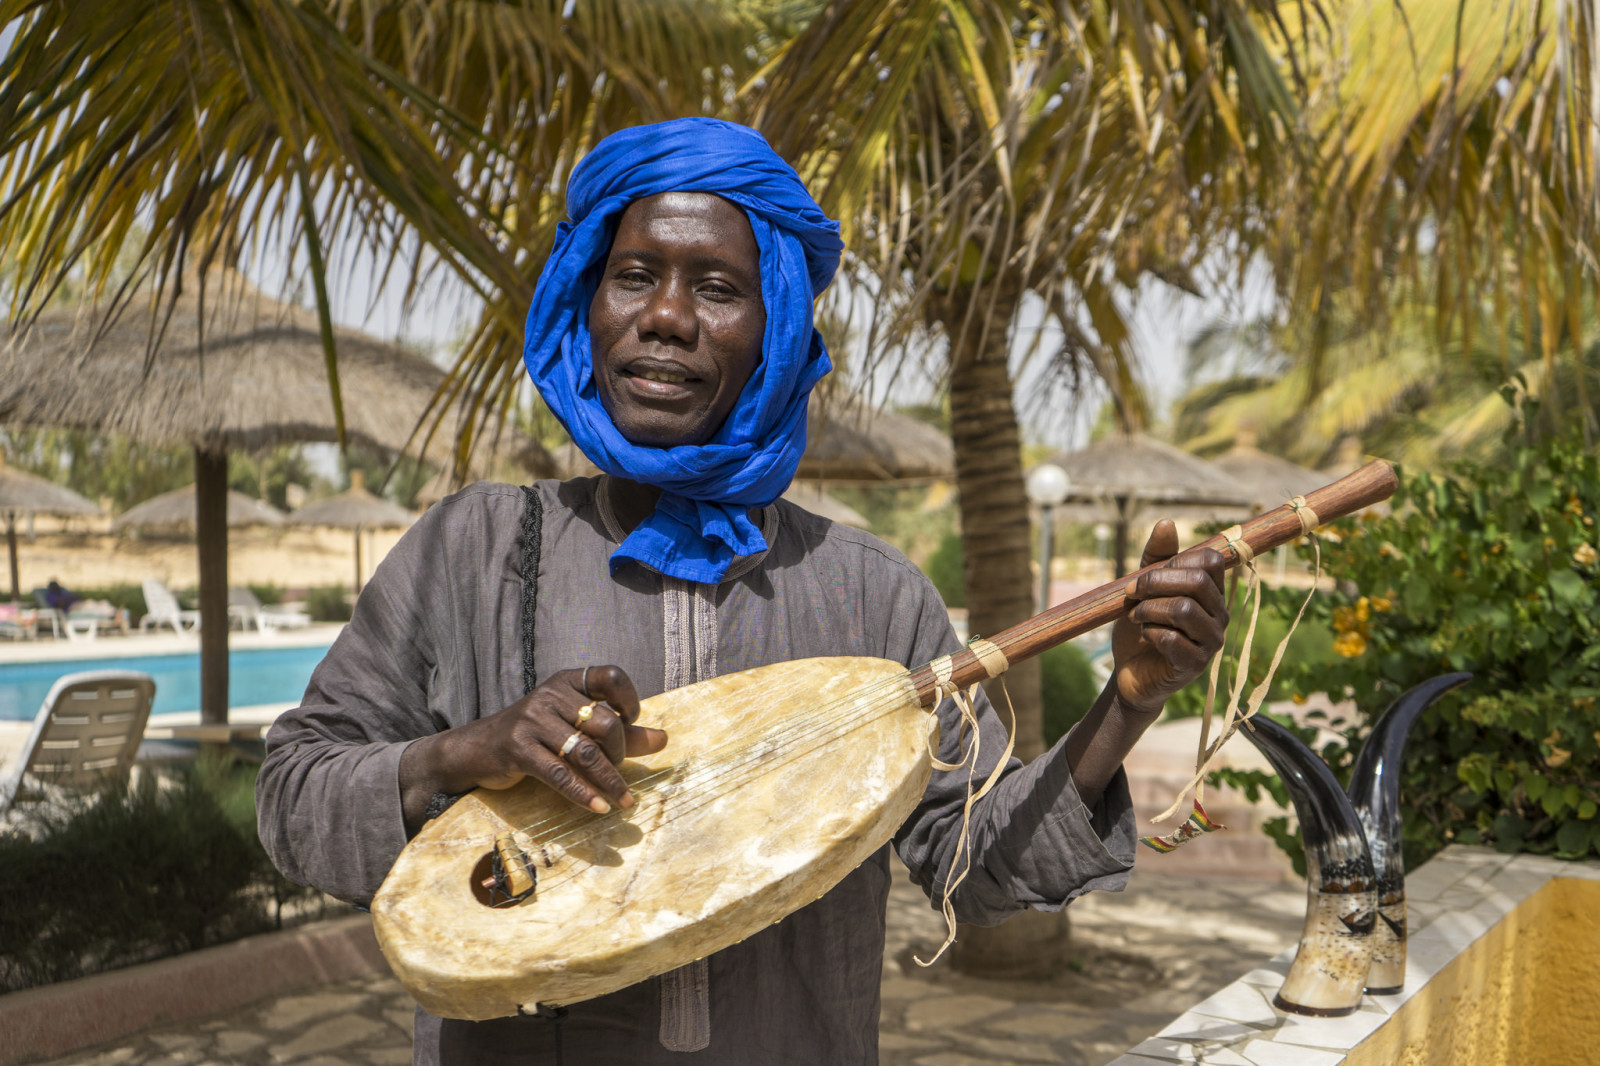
x=1267 y=479
x=177 y=512
x=354 y=509
x=847 y=440
x=1125 y=473
x=24 y=493
x=254 y=376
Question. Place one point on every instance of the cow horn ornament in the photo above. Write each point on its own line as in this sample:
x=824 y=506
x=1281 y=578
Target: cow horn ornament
x=1374 y=791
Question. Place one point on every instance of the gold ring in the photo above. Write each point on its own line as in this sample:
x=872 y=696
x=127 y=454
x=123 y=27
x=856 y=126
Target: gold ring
x=585 y=713
x=572 y=742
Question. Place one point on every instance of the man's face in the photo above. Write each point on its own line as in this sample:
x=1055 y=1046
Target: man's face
x=677 y=321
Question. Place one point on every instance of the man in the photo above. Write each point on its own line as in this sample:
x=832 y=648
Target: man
x=671 y=332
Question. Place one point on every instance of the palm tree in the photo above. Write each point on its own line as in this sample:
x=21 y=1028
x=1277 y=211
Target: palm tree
x=984 y=151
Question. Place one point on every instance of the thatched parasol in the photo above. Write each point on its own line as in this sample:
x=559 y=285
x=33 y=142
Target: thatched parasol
x=260 y=378
x=24 y=493
x=1128 y=472
x=177 y=512
x=846 y=440
x=1265 y=478
x=354 y=509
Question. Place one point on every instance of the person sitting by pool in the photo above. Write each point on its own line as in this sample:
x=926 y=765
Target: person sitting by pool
x=60 y=598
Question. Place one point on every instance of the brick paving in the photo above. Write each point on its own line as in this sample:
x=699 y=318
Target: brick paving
x=1139 y=958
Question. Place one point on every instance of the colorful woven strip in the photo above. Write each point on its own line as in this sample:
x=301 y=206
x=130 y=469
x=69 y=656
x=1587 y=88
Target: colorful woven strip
x=1198 y=822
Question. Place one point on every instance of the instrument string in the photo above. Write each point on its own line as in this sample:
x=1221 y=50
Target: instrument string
x=718 y=762
x=711 y=782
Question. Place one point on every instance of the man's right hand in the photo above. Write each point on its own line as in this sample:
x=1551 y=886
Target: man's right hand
x=526 y=740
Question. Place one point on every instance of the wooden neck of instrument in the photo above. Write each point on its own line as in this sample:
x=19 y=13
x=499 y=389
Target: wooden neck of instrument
x=1367 y=486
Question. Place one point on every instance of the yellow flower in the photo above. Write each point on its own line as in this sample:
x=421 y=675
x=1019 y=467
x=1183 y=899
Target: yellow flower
x=1585 y=555
x=1382 y=604
x=1363 y=609
x=1389 y=549
x=1298 y=698
x=1344 y=620
x=1350 y=645
x=1549 y=542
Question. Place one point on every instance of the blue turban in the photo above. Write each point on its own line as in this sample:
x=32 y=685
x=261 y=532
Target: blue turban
x=700 y=523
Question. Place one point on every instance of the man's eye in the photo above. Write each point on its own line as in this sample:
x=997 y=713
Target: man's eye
x=718 y=291
x=633 y=278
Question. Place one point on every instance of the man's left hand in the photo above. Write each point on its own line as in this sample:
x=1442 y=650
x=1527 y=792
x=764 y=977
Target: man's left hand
x=1175 y=623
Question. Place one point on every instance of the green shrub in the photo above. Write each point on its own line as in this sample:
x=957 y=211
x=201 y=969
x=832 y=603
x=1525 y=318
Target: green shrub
x=1067 y=687
x=132 y=874
x=269 y=594
x=1491 y=569
x=946 y=569
x=328 y=603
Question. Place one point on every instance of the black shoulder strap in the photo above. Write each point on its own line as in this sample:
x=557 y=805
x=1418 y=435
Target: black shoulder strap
x=532 y=529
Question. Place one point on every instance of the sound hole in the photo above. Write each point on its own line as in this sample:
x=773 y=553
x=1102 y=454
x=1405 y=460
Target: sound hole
x=483 y=881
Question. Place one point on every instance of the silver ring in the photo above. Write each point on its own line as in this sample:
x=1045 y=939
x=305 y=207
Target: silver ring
x=586 y=670
x=572 y=742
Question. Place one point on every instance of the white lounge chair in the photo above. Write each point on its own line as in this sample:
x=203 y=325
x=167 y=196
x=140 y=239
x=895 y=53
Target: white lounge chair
x=161 y=609
x=246 y=608
x=88 y=728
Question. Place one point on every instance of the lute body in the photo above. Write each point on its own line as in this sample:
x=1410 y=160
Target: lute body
x=708 y=855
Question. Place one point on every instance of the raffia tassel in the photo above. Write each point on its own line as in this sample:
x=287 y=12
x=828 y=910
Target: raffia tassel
x=1234 y=715
x=1198 y=822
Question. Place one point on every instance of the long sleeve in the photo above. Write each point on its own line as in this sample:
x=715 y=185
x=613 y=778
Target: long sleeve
x=328 y=796
x=1034 y=843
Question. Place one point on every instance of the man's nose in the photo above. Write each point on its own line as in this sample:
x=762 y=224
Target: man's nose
x=669 y=315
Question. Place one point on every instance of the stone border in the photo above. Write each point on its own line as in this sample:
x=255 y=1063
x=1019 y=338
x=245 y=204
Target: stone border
x=1451 y=901
x=72 y=1015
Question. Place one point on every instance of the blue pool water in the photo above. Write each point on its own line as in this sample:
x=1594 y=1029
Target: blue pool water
x=255 y=675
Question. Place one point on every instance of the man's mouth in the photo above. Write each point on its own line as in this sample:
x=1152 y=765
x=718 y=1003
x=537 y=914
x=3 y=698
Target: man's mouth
x=670 y=377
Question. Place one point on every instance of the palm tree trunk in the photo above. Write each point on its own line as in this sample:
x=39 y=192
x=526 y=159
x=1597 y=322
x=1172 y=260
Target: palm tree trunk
x=996 y=544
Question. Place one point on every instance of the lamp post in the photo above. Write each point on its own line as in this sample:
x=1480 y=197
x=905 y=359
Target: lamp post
x=1047 y=487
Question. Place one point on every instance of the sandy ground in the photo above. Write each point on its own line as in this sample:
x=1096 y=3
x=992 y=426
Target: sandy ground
x=293 y=558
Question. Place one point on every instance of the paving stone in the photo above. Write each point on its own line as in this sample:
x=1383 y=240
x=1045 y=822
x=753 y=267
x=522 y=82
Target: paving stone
x=1008 y=1050
x=404 y=1019
x=906 y=988
x=395 y=1056
x=329 y=1035
x=954 y=1059
x=1053 y=1025
x=232 y=1043
x=174 y=1041
x=901 y=1042
x=113 y=1057
x=293 y=1012
x=946 y=1012
x=182 y=1057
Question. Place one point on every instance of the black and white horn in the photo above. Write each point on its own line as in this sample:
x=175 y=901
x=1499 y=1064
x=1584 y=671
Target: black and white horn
x=1329 y=971
x=1375 y=793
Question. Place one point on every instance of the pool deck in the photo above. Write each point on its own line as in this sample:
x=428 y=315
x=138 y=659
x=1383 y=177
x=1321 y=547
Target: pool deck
x=135 y=645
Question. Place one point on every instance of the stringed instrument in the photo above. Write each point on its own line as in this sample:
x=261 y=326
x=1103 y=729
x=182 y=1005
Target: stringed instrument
x=775 y=783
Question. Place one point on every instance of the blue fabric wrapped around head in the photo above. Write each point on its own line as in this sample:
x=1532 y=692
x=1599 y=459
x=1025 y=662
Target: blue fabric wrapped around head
x=700 y=523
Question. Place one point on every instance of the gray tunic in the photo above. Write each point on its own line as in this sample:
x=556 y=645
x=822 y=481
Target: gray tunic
x=436 y=641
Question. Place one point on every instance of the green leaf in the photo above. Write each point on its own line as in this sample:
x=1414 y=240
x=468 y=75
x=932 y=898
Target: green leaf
x=1535 y=786
x=1474 y=771
x=1569 y=588
x=1508 y=832
x=1586 y=809
x=1573 y=837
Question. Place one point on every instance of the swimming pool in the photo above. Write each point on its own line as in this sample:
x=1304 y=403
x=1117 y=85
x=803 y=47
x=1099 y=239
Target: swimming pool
x=255 y=675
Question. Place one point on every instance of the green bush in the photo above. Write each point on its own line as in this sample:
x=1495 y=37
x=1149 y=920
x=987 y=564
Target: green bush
x=1491 y=569
x=328 y=603
x=946 y=569
x=1067 y=687
x=269 y=594
x=132 y=874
